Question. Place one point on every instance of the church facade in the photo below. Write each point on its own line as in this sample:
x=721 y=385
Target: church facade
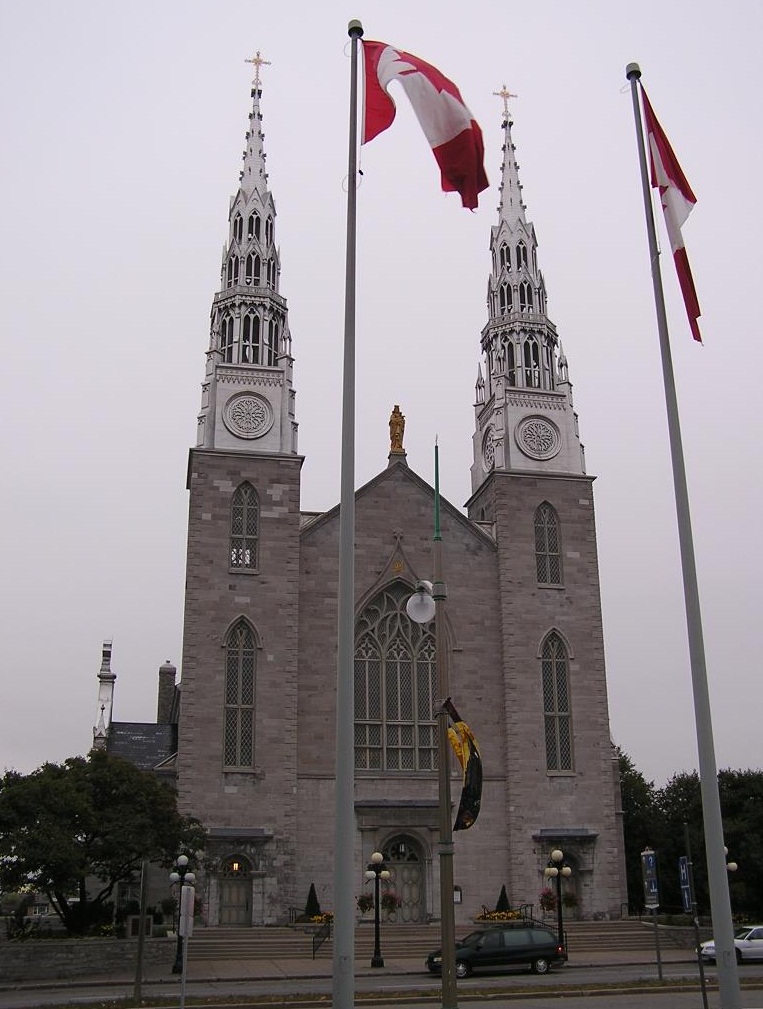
x=248 y=732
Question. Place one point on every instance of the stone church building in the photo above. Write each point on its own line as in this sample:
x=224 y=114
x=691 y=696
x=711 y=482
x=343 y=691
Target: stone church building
x=247 y=734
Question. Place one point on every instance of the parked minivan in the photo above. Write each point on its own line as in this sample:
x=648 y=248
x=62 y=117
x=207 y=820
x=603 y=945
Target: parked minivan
x=502 y=946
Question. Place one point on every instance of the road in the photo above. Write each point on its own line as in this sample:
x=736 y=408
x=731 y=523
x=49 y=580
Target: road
x=576 y=987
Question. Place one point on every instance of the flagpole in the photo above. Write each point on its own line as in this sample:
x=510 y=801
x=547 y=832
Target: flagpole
x=720 y=904
x=447 y=910
x=344 y=816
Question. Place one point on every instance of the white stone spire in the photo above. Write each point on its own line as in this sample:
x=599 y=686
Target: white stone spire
x=247 y=395
x=105 y=698
x=525 y=421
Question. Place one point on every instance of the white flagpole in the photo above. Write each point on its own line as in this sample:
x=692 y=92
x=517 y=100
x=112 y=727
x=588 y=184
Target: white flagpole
x=344 y=815
x=720 y=903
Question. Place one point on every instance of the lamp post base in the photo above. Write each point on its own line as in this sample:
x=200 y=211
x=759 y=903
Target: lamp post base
x=377 y=961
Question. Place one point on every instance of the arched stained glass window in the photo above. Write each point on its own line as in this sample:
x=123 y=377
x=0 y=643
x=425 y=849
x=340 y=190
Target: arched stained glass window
x=548 y=554
x=240 y=668
x=556 y=704
x=395 y=727
x=244 y=527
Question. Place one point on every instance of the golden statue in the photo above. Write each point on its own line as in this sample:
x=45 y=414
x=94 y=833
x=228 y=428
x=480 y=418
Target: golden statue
x=396 y=431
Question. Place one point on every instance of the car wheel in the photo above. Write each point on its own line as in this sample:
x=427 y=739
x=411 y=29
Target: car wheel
x=463 y=969
x=540 y=966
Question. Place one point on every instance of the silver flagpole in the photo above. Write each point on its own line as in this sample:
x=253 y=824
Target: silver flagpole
x=344 y=815
x=720 y=904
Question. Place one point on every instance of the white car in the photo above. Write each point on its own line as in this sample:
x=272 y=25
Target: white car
x=748 y=943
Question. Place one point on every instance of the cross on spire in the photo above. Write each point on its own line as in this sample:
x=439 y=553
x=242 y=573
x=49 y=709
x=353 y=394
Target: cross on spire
x=505 y=94
x=258 y=62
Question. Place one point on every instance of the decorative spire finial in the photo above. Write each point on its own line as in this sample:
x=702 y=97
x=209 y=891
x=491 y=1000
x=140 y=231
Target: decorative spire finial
x=505 y=94
x=258 y=62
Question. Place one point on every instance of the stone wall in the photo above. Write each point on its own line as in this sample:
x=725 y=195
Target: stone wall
x=54 y=959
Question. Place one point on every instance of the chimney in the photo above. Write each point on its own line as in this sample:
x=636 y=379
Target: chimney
x=167 y=673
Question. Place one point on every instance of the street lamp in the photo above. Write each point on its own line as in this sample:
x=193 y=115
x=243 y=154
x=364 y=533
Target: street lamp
x=377 y=871
x=555 y=870
x=428 y=603
x=180 y=874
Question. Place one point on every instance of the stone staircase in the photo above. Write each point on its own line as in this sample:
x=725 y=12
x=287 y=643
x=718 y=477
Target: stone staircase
x=397 y=941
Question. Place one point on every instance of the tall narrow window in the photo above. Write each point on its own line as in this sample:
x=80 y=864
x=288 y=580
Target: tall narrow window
x=240 y=652
x=395 y=726
x=249 y=269
x=268 y=230
x=244 y=527
x=251 y=225
x=238 y=227
x=232 y=271
x=250 y=339
x=531 y=353
x=257 y=271
x=548 y=556
x=525 y=297
x=505 y=299
x=270 y=350
x=521 y=255
x=226 y=339
x=511 y=365
x=556 y=704
x=504 y=256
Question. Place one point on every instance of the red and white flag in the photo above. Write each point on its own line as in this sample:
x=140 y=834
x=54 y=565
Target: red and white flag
x=677 y=203
x=450 y=128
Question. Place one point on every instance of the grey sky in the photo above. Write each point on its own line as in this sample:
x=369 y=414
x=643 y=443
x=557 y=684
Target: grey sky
x=123 y=127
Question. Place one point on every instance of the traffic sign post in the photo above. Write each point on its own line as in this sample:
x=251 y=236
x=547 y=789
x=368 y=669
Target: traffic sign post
x=652 y=897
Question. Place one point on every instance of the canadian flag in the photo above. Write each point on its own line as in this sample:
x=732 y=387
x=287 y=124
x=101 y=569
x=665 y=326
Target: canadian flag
x=677 y=203
x=450 y=128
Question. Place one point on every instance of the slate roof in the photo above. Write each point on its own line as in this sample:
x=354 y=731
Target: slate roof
x=144 y=744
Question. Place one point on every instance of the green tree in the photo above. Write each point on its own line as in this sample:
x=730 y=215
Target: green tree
x=77 y=829
x=640 y=816
x=679 y=803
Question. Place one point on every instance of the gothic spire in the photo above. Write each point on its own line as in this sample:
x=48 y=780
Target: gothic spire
x=519 y=425
x=247 y=395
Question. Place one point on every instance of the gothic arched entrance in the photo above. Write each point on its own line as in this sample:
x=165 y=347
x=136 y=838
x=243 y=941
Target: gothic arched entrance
x=236 y=891
x=405 y=862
